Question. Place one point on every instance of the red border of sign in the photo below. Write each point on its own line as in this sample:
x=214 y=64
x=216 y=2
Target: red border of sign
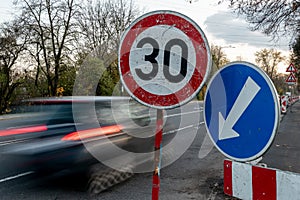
x=201 y=71
x=293 y=69
x=293 y=78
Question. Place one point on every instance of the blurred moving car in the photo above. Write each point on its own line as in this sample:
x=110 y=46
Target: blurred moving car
x=54 y=133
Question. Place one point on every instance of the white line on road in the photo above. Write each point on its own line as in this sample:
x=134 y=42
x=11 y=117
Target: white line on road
x=16 y=176
x=173 y=115
x=11 y=142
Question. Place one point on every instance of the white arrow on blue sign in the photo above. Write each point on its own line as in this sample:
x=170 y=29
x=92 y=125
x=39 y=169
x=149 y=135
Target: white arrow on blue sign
x=241 y=111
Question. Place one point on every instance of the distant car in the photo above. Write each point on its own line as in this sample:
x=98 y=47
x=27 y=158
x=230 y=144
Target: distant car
x=60 y=133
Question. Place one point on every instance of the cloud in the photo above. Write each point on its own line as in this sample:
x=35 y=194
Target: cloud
x=233 y=30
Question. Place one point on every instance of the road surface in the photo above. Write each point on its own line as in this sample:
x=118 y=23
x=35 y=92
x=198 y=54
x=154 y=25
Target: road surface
x=189 y=177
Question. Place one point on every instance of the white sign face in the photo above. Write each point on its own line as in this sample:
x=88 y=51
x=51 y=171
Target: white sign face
x=172 y=40
x=164 y=59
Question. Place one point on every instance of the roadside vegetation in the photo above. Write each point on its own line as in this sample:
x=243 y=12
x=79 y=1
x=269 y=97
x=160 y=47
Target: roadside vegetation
x=48 y=42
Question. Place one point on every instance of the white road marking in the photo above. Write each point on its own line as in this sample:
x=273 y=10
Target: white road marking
x=16 y=176
x=11 y=142
x=173 y=115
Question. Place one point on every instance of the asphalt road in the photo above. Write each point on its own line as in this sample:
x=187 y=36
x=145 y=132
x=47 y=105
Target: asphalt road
x=189 y=177
x=284 y=153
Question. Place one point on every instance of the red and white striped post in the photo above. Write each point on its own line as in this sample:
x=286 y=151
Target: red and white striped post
x=245 y=181
x=180 y=88
x=157 y=155
x=284 y=104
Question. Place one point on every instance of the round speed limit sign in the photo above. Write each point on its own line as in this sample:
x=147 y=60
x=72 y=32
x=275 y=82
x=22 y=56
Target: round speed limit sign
x=164 y=59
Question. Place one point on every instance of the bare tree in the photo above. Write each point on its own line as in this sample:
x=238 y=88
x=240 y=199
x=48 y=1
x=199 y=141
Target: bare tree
x=296 y=53
x=12 y=44
x=280 y=84
x=268 y=60
x=51 y=27
x=295 y=58
x=219 y=59
x=272 y=17
x=101 y=25
x=218 y=56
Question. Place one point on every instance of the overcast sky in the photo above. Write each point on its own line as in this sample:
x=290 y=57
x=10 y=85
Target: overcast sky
x=220 y=26
x=5 y=9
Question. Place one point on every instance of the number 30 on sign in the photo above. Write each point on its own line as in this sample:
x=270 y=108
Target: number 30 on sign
x=164 y=59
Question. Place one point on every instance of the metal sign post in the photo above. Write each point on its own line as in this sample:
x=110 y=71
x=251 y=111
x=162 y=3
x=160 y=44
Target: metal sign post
x=164 y=61
x=157 y=155
x=291 y=80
